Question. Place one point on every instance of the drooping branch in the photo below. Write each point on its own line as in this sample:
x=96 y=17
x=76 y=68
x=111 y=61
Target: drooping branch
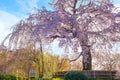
x=71 y=60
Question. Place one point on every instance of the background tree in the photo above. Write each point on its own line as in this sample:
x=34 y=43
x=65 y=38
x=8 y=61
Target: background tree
x=85 y=24
x=53 y=63
x=2 y=62
x=22 y=62
x=76 y=65
x=19 y=63
x=63 y=65
x=101 y=62
x=118 y=73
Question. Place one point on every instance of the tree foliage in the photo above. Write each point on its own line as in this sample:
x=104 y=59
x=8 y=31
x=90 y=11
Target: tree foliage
x=24 y=62
x=75 y=23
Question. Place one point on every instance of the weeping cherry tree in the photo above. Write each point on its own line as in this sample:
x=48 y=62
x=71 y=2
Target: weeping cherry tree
x=85 y=24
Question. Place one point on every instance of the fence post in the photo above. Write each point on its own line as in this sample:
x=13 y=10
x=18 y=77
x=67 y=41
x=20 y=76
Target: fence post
x=94 y=75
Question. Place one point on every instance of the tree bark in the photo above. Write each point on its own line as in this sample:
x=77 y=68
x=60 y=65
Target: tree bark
x=87 y=58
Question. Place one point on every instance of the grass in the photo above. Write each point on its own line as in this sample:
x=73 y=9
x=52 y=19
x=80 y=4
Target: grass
x=89 y=79
x=58 y=79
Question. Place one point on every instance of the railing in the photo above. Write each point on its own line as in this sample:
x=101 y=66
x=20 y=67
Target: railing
x=92 y=74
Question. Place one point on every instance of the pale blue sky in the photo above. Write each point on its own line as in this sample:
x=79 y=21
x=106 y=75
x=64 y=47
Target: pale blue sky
x=20 y=8
x=11 y=11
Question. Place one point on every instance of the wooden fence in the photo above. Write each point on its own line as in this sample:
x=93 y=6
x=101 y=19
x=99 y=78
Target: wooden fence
x=92 y=74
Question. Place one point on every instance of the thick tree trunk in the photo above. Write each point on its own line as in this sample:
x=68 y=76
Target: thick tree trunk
x=87 y=59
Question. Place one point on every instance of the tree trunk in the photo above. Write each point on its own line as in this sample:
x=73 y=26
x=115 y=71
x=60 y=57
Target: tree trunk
x=39 y=71
x=87 y=58
x=42 y=63
x=42 y=59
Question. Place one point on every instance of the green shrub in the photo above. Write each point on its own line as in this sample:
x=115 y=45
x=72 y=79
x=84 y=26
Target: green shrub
x=7 y=77
x=102 y=79
x=34 y=78
x=37 y=78
x=2 y=76
x=10 y=77
x=75 y=75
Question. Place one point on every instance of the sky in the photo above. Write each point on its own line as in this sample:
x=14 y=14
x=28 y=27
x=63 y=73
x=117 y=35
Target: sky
x=11 y=11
